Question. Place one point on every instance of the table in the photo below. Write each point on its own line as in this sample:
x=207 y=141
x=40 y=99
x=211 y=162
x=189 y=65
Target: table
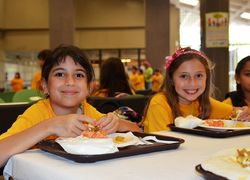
x=171 y=164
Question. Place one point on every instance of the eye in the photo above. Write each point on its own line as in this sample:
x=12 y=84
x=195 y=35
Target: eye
x=59 y=74
x=80 y=75
x=199 y=76
x=184 y=76
x=247 y=74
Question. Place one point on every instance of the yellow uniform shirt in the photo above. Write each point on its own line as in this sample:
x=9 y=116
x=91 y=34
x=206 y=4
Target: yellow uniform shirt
x=17 y=84
x=141 y=85
x=36 y=81
x=40 y=112
x=134 y=81
x=228 y=101
x=157 y=81
x=159 y=113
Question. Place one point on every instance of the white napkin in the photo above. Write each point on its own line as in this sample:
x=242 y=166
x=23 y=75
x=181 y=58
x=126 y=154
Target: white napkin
x=189 y=122
x=87 y=146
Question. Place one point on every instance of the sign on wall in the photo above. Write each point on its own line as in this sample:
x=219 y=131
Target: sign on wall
x=217 y=25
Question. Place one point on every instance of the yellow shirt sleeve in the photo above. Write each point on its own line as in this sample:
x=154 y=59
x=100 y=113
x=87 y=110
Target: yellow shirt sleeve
x=36 y=81
x=220 y=110
x=40 y=112
x=158 y=115
x=228 y=101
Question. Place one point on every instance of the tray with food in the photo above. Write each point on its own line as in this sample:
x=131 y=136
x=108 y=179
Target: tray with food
x=91 y=149
x=226 y=164
x=217 y=128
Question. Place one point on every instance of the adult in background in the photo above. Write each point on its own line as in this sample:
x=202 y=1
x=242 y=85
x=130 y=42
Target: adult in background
x=17 y=82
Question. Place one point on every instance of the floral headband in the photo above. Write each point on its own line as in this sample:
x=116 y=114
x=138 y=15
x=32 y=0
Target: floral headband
x=179 y=52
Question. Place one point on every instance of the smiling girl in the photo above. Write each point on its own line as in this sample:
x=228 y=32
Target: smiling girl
x=187 y=92
x=66 y=77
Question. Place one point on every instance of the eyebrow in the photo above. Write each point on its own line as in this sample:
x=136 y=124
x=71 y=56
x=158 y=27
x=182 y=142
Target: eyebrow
x=63 y=69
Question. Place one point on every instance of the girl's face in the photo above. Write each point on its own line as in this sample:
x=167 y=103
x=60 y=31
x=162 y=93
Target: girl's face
x=67 y=85
x=189 y=80
x=244 y=78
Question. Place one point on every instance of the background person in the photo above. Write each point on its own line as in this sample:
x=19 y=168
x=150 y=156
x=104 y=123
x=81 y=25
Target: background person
x=114 y=80
x=17 y=82
x=36 y=80
x=241 y=97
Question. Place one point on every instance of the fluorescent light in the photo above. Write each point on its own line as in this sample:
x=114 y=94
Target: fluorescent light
x=245 y=15
x=190 y=2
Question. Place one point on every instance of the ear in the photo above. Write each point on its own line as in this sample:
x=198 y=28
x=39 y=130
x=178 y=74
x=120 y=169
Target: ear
x=237 y=79
x=44 y=86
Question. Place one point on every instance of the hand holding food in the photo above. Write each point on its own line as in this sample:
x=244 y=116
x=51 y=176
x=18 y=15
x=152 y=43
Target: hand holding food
x=68 y=125
x=109 y=123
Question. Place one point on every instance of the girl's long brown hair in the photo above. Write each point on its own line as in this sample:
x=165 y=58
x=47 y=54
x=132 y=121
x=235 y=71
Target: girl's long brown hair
x=169 y=88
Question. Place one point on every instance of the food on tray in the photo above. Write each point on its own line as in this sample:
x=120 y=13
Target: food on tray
x=94 y=132
x=187 y=122
x=215 y=123
x=119 y=139
x=231 y=164
x=243 y=157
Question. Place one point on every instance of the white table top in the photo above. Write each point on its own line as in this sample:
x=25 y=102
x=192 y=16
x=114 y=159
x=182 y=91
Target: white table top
x=170 y=164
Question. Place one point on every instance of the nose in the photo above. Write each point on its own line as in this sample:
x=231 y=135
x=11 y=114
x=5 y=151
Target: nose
x=193 y=82
x=70 y=80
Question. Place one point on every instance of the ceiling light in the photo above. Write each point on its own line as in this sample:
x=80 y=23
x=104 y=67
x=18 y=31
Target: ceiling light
x=245 y=15
x=189 y=2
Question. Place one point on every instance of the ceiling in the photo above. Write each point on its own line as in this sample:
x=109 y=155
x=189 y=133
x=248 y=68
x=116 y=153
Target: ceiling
x=189 y=13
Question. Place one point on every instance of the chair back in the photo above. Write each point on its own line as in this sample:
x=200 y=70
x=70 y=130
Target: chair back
x=109 y=104
x=27 y=95
x=7 y=96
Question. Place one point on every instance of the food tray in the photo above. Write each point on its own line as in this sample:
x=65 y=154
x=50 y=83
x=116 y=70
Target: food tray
x=207 y=174
x=210 y=133
x=52 y=147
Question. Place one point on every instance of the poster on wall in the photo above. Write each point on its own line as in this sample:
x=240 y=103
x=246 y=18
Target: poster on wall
x=217 y=25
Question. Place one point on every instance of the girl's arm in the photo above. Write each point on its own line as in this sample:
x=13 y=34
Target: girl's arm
x=67 y=126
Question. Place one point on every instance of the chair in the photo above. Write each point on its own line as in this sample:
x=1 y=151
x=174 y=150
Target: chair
x=145 y=92
x=1 y=100
x=7 y=96
x=109 y=104
x=9 y=114
x=27 y=95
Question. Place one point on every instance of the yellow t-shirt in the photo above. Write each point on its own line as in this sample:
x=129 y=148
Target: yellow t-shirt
x=40 y=112
x=134 y=81
x=159 y=113
x=157 y=81
x=17 y=84
x=141 y=81
x=228 y=101
x=36 y=81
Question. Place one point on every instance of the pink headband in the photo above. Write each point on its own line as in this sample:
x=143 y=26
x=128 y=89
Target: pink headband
x=179 y=52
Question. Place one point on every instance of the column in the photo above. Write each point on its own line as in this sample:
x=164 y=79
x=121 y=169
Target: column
x=61 y=22
x=157 y=31
x=215 y=40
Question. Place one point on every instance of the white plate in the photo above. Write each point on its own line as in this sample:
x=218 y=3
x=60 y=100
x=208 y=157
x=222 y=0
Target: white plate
x=224 y=164
x=129 y=139
x=228 y=125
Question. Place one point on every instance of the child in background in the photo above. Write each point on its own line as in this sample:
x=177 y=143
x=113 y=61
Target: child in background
x=114 y=81
x=36 y=80
x=241 y=97
x=187 y=92
x=134 y=78
x=141 y=85
x=66 y=77
x=17 y=82
x=157 y=80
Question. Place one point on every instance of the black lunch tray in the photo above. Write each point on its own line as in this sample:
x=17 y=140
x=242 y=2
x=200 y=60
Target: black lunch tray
x=207 y=174
x=210 y=133
x=52 y=147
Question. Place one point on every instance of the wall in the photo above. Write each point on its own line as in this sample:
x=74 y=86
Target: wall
x=110 y=24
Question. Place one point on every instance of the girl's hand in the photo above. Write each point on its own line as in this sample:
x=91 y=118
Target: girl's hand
x=109 y=123
x=69 y=125
x=244 y=114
